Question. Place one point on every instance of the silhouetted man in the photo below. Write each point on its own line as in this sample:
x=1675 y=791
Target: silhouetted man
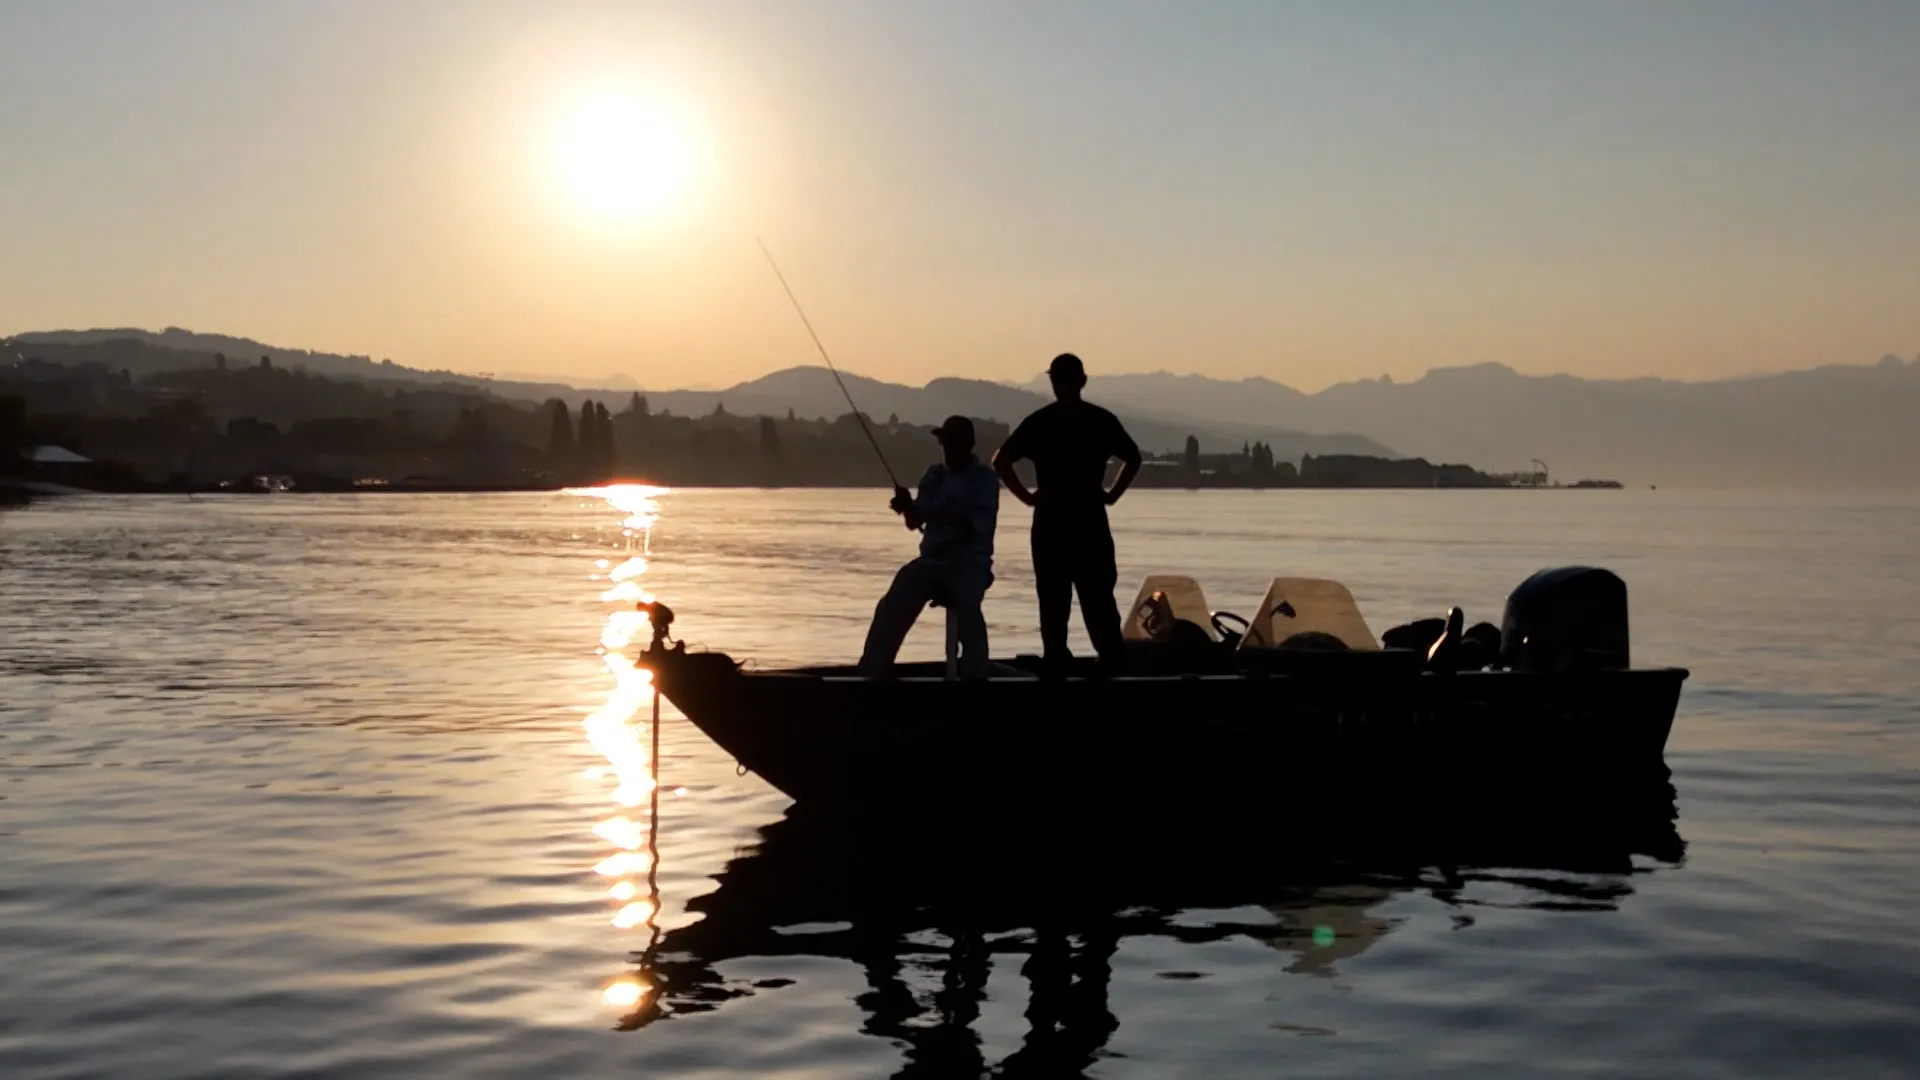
x=955 y=512
x=1070 y=443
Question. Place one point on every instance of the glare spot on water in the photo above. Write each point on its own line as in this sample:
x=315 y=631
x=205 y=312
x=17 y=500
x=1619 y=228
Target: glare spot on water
x=621 y=630
x=634 y=500
x=620 y=832
x=628 y=592
x=623 y=994
x=634 y=795
x=623 y=891
x=624 y=863
x=635 y=913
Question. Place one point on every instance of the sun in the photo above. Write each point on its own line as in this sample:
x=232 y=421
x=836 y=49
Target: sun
x=622 y=159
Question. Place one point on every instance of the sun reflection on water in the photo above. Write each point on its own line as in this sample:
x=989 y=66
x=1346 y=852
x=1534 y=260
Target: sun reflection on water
x=624 y=864
x=621 y=832
x=624 y=993
x=620 y=731
x=634 y=914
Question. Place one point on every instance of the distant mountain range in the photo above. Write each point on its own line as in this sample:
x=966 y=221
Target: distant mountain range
x=807 y=391
x=202 y=348
x=810 y=392
x=1833 y=426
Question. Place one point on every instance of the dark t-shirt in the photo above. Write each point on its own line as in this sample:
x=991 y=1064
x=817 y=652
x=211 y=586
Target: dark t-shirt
x=1069 y=445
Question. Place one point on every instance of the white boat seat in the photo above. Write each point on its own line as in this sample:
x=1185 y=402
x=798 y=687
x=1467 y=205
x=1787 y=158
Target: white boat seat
x=1302 y=605
x=1184 y=599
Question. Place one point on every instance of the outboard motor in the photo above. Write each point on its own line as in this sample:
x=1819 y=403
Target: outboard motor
x=1571 y=618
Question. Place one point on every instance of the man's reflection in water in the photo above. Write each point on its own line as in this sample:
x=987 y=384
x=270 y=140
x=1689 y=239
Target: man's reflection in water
x=888 y=1003
x=953 y=1043
x=1068 y=1021
x=947 y=1047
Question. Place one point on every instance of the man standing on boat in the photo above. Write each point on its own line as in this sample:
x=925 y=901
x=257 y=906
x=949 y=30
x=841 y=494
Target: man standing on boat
x=1070 y=443
x=955 y=513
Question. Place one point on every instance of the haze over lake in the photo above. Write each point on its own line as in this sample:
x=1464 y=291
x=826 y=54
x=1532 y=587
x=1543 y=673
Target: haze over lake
x=341 y=786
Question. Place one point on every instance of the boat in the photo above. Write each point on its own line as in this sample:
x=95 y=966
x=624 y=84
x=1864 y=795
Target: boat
x=1300 y=698
x=261 y=484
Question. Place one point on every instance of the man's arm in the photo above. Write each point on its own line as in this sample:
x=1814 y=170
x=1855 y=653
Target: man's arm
x=957 y=519
x=939 y=506
x=1004 y=466
x=907 y=504
x=1011 y=451
x=1128 y=452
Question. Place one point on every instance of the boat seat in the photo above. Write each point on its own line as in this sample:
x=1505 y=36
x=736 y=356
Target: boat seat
x=953 y=644
x=1308 y=605
x=1181 y=597
x=939 y=600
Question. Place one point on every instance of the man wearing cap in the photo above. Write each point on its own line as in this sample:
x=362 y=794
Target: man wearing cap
x=1070 y=443
x=955 y=511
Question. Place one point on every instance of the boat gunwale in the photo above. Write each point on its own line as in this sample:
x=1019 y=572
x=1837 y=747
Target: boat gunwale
x=841 y=675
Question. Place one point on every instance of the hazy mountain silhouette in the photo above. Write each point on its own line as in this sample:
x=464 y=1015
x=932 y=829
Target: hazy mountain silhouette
x=237 y=349
x=174 y=347
x=1831 y=426
x=808 y=392
x=598 y=382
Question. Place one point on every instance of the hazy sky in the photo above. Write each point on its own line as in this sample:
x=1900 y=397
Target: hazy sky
x=1308 y=191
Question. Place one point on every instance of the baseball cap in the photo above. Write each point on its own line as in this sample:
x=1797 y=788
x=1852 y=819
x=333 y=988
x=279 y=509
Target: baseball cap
x=1067 y=364
x=955 y=427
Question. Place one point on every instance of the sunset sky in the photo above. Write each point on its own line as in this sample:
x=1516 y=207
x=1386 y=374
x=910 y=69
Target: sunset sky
x=1308 y=191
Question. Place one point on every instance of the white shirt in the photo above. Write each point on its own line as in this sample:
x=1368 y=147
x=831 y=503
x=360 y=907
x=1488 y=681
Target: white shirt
x=973 y=490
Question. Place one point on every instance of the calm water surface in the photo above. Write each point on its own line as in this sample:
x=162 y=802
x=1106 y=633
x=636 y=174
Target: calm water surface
x=344 y=787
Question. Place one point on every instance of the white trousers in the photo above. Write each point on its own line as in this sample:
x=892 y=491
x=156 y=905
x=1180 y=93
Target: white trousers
x=961 y=586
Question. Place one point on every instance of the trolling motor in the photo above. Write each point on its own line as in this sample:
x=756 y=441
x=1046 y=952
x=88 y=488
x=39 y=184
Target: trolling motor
x=660 y=617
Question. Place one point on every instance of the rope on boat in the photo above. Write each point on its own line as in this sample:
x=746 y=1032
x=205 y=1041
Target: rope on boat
x=646 y=958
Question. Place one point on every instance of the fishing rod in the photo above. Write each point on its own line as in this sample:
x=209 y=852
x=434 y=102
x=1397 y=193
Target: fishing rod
x=804 y=321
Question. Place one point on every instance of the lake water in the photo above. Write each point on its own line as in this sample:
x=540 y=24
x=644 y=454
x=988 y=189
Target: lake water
x=314 y=786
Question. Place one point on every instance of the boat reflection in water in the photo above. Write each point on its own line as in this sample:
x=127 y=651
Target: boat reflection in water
x=920 y=902
x=619 y=733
